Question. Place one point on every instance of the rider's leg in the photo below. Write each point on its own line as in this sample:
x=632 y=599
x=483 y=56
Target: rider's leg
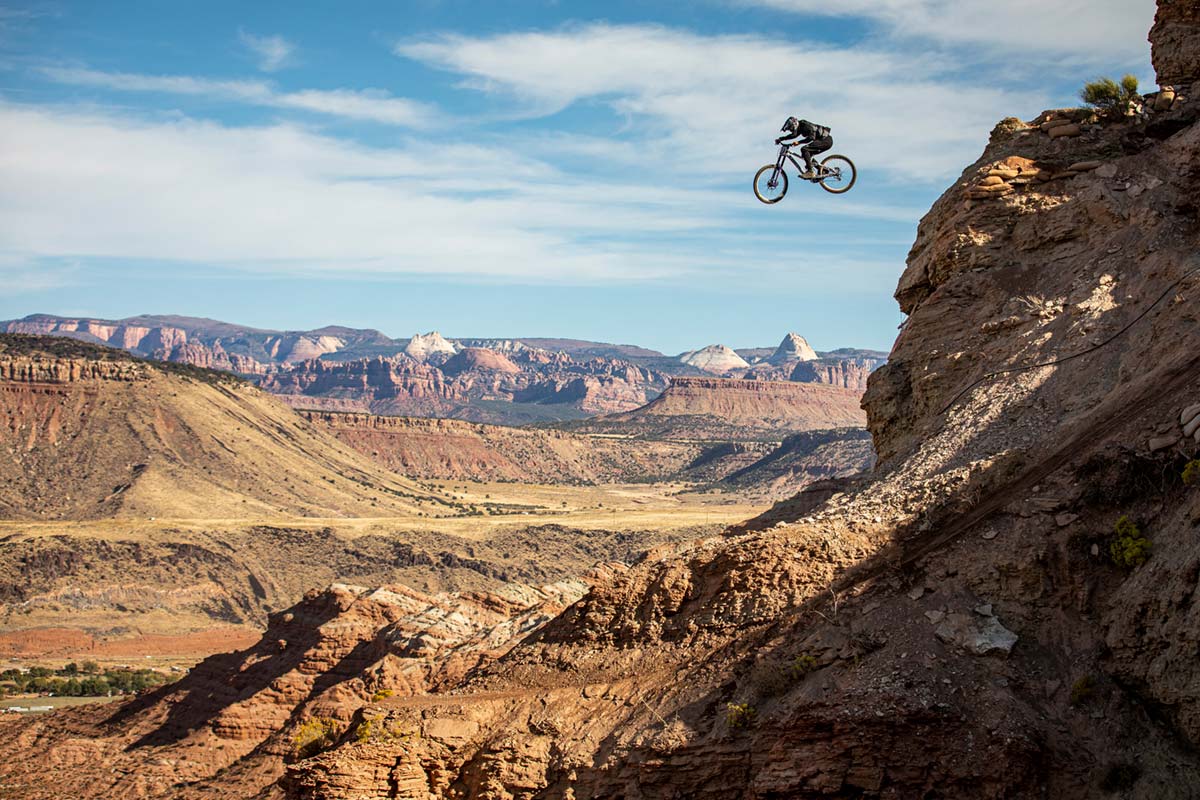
x=807 y=152
x=811 y=149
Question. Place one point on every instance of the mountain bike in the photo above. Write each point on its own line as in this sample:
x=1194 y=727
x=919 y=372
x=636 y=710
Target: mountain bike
x=835 y=174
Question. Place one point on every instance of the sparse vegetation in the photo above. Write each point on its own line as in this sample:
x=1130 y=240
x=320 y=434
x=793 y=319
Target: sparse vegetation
x=1082 y=690
x=739 y=715
x=1109 y=98
x=375 y=730
x=1129 y=548
x=382 y=694
x=802 y=665
x=1191 y=473
x=74 y=681
x=314 y=735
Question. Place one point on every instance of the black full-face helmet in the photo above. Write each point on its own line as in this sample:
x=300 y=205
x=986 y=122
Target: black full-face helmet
x=791 y=126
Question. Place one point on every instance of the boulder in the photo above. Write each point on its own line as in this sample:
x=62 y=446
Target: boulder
x=1163 y=442
x=1164 y=99
x=978 y=633
x=1084 y=166
x=1063 y=131
x=1190 y=428
x=1108 y=170
x=992 y=180
x=1189 y=414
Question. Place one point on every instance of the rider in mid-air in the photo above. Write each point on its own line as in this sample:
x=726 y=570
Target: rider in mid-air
x=815 y=138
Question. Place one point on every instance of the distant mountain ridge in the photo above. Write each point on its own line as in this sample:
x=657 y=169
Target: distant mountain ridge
x=496 y=380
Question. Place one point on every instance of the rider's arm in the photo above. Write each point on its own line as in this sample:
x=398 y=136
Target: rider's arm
x=798 y=139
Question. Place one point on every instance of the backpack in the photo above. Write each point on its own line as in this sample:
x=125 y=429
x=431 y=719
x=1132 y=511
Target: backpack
x=819 y=131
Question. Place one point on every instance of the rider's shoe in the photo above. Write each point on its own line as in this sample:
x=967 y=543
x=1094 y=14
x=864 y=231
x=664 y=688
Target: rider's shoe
x=809 y=174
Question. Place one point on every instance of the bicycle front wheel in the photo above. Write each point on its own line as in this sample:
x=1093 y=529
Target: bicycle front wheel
x=770 y=184
x=838 y=174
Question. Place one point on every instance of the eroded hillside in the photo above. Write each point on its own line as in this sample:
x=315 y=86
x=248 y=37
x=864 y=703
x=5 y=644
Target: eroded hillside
x=89 y=432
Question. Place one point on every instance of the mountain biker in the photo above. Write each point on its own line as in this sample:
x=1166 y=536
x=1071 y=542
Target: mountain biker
x=815 y=138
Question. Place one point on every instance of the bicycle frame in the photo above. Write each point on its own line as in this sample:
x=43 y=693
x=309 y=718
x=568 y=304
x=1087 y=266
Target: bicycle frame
x=785 y=154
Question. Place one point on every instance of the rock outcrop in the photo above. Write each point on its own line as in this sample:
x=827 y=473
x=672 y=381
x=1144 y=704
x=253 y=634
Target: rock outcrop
x=794 y=347
x=421 y=347
x=722 y=409
x=716 y=358
x=476 y=384
x=1175 y=43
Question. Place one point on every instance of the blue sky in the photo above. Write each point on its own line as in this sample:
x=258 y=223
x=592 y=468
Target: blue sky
x=570 y=169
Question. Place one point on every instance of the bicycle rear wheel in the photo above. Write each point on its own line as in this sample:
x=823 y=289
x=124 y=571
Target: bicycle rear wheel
x=770 y=184
x=838 y=174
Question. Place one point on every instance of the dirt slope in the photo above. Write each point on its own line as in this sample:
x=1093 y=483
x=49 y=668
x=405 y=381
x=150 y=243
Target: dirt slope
x=87 y=432
x=460 y=450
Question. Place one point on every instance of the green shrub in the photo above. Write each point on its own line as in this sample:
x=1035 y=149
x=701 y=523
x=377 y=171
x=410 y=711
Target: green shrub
x=1109 y=98
x=1082 y=690
x=1191 y=473
x=739 y=715
x=382 y=694
x=1129 y=548
x=314 y=735
x=801 y=666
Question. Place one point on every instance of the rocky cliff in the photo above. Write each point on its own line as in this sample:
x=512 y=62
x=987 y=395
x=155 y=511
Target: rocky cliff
x=476 y=384
x=722 y=409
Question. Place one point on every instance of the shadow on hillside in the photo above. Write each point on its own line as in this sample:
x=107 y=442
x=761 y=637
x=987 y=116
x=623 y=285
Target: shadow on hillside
x=223 y=680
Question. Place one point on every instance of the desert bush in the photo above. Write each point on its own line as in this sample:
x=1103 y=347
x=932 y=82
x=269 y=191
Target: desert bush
x=314 y=735
x=375 y=730
x=739 y=715
x=802 y=665
x=1082 y=690
x=382 y=694
x=1109 y=98
x=1129 y=548
x=1191 y=473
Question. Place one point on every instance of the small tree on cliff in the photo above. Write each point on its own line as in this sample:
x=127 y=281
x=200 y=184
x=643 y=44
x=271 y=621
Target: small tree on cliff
x=1109 y=98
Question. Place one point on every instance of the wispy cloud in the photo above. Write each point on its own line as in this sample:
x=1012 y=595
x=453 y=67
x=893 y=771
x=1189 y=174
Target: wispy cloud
x=273 y=52
x=1087 y=31
x=284 y=199
x=368 y=105
x=718 y=100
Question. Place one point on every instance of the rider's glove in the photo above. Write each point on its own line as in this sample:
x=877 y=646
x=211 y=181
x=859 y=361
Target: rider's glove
x=779 y=141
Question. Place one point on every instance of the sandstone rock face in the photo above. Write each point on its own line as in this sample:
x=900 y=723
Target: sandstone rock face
x=714 y=409
x=537 y=383
x=421 y=347
x=1175 y=43
x=1110 y=230
x=322 y=659
x=716 y=358
x=794 y=347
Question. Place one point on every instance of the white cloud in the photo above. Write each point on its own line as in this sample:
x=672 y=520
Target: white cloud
x=369 y=105
x=713 y=103
x=1091 y=31
x=273 y=52
x=284 y=199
